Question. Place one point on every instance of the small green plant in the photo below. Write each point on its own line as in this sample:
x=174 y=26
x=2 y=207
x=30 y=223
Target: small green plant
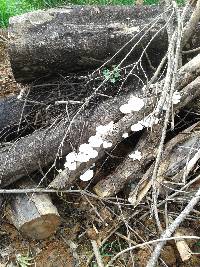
x=9 y=8
x=197 y=244
x=109 y=249
x=24 y=261
x=112 y=75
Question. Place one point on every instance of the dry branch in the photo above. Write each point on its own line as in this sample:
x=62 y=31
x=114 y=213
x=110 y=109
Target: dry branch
x=178 y=151
x=182 y=246
x=110 y=263
x=97 y=253
x=191 y=24
x=180 y=157
x=172 y=227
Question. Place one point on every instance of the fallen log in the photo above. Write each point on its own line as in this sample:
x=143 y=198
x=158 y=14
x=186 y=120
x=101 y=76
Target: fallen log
x=34 y=215
x=33 y=108
x=74 y=38
x=20 y=117
x=39 y=149
x=77 y=38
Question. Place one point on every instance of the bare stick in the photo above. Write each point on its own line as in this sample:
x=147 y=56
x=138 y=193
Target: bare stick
x=173 y=70
x=3 y=39
x=182 y=247
x=171 y=229
x=148 y=243
x=191 y=51
x=173 y=195
x=97 y=253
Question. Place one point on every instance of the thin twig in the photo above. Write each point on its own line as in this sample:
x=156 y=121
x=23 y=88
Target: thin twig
x=191 y=51
x=170 y=197
x=4 y=39
x=148 y=243
x=173 y=70
x=171 y=229
x=97 y=253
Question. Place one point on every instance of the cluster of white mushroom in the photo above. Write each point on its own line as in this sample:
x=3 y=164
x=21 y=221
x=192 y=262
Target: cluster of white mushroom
x=88 y=150
x=147 y=122
x=136 y=155
x=136 y=104
x=175 y=99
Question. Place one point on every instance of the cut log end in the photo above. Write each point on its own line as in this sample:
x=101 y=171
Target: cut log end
x=103 y=188
x=41 y=227
x=33 y=215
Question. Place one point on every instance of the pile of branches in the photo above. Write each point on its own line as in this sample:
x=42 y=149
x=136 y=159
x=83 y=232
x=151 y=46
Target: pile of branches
x=153 y=151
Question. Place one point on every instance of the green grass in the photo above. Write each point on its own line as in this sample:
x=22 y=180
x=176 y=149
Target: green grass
x=9 y=8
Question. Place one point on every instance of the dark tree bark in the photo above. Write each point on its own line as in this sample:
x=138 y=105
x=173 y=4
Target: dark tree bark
x=10 y=110
x=39 y=149
x=81 y=37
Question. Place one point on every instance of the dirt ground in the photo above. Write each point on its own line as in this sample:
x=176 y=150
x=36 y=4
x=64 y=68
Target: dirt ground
x=7 y=82
x=83 y=219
